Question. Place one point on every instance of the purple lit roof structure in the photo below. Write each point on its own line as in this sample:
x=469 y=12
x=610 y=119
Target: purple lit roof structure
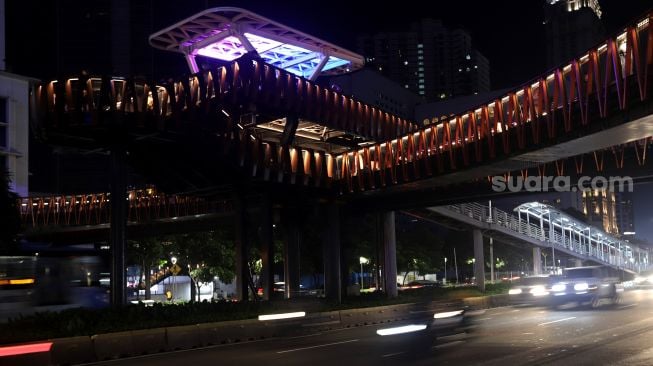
x=226 y=33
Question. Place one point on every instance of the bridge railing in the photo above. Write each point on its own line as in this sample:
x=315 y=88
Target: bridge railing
x=521 y=228
x=95 y=208
x=590 y=89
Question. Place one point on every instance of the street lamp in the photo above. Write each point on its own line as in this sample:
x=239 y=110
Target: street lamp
x=362 y=260
x=444 y=280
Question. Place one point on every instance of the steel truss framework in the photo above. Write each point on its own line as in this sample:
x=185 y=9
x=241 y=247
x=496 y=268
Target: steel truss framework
x=574 y=99
x=227 y=33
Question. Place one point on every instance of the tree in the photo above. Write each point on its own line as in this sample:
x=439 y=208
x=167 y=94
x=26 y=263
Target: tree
x=9 y=216
x=205 y=254
x=418 y=249
x=145 y=253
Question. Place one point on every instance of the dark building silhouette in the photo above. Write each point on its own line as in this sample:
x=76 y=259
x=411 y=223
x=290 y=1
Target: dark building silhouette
x=430 y=60
x=571 y=28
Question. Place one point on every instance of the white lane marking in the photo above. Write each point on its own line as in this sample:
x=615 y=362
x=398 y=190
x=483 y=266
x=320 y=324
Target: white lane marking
x=484 y=319
x=392 y=354
x=318 y=346
x=627 y=306
x=556 y=321
x=528 y=333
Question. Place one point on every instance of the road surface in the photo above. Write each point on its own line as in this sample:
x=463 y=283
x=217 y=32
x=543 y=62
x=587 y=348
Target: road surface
x=612 y=335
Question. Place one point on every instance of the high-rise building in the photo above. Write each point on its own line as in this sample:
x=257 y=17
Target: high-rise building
x=599 y=205
x=14 y=120
x=429 y=59
x=571 y=27
x=625 y=213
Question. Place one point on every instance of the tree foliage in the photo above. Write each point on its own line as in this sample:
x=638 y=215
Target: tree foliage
x=205 y=254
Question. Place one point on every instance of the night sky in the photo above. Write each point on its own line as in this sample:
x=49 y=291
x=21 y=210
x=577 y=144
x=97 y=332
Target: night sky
x=508 y=32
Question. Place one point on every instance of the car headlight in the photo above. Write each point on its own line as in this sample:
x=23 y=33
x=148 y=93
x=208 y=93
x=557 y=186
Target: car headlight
x=539 y=291
x=558 y=287
x=514 y=291
x=582 y=286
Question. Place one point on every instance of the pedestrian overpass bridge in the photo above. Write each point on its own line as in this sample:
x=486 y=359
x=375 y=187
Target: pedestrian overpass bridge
x=262 y=123
x=545 y=227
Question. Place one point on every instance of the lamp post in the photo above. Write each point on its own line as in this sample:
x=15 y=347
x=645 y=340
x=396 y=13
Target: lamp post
x=444 y=280
x=173 y=260
x=362 y=260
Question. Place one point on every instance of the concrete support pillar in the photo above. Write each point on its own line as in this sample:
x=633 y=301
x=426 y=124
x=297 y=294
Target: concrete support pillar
x=537 y=260
x=390 y=254
x=291 y=254
x=331 y=252
x=267 y=248
x=242 y=270
x=118 y=225
x=479 y=260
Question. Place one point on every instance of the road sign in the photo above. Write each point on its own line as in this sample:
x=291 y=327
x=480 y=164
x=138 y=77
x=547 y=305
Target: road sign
x=175 y=269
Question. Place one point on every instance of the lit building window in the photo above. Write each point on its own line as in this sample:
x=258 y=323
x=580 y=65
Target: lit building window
x=405 y=62
x=420 y=69
x=420 y=57
x=468 y=57
x=421 y=92
x=419 y=45
x=421 y=86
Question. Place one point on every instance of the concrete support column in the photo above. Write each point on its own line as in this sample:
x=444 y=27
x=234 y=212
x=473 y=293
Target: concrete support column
x=331 y=253
x=291 y=254
x=242 y=270
x=537 y=260
x=479 y=260
x=118 y=225
x=390 y=254
x=267 y=248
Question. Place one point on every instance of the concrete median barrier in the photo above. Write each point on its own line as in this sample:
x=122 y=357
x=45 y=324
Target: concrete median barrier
x=113 y=345
x=183 y=337
x=68 y=351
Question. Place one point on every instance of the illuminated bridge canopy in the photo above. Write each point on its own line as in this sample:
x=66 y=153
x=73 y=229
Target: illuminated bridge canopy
x=227 y=33
x=559 y=227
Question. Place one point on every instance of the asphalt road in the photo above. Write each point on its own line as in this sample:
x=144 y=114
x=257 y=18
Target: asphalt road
x=611 y=335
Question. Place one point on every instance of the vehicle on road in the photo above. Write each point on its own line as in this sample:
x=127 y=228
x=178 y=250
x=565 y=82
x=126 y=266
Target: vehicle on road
x=594 y=286
x=533 y=290
x=419 y=334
